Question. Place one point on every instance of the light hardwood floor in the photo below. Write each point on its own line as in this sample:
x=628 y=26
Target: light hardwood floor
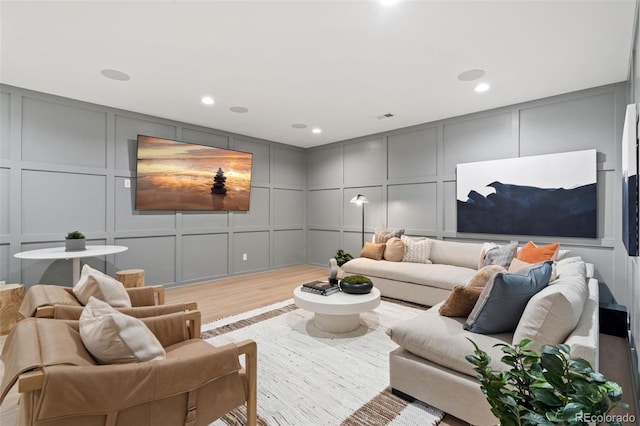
x=230 y=296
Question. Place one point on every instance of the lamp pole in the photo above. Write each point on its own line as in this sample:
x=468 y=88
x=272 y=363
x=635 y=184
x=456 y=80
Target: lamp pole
x=360 y=200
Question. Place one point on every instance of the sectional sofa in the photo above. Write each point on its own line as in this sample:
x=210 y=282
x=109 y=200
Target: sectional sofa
x=430 y=365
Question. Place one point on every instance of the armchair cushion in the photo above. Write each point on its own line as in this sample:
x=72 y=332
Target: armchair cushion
x=101 y=286
x=115 y=338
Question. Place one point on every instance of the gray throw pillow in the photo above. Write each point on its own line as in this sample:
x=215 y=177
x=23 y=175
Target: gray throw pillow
x=501 y=255
x=381 y=237
x=504 y=299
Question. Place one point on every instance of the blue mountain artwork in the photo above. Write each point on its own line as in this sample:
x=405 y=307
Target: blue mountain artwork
x=528 y=210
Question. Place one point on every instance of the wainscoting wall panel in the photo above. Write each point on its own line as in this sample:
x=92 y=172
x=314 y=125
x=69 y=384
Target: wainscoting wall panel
x=54 y=132
x=78 y=204
x=324 y=166
x=288 y=247
x=5 y=180
x=67 y=165
x=363 y=162
x=155 y=254
x=414 y=154
x=5 y=126
x=256 y=246
x=288 y=208
x=480 y=137
x=204 y=256
x=322 y=208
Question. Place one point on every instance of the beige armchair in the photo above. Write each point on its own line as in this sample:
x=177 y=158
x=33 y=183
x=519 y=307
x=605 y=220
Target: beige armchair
x=61 y=384
x=52 y=301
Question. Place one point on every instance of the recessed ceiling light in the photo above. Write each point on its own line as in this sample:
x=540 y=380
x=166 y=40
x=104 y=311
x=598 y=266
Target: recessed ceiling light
x=239 y=109
x=482 y=87
x=207 y=100
x=299 y=126
x=317 y=130
x=471 y=75
x=115 y=75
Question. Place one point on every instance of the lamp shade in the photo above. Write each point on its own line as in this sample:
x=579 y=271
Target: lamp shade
x=359 y=199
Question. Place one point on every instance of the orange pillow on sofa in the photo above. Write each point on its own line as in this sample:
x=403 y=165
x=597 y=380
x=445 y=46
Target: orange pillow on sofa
x=533 y=254
x=373 y=251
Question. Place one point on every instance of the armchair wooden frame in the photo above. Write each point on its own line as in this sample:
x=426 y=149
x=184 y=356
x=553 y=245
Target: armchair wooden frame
x=34 y=380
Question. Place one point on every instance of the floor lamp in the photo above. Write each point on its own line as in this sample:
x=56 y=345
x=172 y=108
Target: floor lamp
x=360 y=200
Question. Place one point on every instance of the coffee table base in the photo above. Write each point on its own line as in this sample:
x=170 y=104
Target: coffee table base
x=337 y=323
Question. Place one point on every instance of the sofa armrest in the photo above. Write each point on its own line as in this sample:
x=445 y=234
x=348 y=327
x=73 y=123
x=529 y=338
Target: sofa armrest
x=584 y=340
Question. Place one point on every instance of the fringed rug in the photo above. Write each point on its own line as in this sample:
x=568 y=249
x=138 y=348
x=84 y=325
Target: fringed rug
x=308 y=377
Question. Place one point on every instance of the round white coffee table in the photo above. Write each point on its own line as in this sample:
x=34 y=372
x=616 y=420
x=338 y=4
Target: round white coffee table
x=338 y=312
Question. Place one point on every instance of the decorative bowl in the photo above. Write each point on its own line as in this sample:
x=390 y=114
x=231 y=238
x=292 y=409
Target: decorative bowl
x=356 y=288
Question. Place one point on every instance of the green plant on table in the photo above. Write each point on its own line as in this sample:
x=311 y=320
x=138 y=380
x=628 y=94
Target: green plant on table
x=547 y=389
x=356 y=279
x=342 y=257
x=75 y=235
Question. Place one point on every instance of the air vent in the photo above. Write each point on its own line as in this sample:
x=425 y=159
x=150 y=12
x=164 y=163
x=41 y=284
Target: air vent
x=387 y=115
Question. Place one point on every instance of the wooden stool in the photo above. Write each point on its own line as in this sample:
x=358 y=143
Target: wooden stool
x=11 y=296
x=131 y=277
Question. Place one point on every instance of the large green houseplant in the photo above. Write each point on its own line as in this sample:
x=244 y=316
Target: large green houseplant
x=550 y=388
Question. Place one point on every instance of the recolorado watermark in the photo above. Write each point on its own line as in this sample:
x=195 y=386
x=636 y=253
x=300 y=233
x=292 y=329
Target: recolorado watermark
x=609 y=418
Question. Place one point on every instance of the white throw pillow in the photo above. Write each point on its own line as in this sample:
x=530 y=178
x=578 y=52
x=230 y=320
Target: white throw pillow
x=115 y=338
x=101 y=286
x=417 y=250
x=553 y=313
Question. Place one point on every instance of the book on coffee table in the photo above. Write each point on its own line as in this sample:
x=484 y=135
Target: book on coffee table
x=320 y=287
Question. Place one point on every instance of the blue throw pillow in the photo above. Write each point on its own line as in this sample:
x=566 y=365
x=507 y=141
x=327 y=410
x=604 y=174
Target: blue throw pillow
x=504 y=298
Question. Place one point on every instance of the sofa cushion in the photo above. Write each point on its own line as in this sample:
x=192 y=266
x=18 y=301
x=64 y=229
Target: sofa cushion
x=481 y=278
x=416 y=250
x=533 y=254
x=101 y=286
x=453 y=253
x=440 y=276
x=372 y=251
x=394 y=250
x=382 y=236
x=504 y=299
x=115 y=338
x=442 y=340
x=460 y=302
x=501 y=255
x=553 y=313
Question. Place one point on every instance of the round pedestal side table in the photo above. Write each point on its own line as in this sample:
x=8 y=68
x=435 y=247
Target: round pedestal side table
x=338 y=312
x=11 y=296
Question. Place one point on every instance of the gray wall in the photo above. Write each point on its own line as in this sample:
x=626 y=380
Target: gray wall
x=409 y=175
x=63 y=166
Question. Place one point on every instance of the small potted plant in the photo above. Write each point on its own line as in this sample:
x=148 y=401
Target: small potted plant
x=342 y=257
x=356 y=284
x=75 y=241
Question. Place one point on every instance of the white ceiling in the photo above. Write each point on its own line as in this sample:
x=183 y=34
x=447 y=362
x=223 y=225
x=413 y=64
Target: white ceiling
x=337 y=65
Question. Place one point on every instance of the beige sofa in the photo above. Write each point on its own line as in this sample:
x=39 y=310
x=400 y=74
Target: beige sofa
x=429 y=364
x=453 y=263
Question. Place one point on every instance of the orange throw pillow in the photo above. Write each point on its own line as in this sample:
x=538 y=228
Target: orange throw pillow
x=373 y=251
x=533 y=254
x=461 y=301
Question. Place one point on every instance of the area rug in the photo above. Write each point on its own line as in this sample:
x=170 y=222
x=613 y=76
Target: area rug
x=308 y=377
